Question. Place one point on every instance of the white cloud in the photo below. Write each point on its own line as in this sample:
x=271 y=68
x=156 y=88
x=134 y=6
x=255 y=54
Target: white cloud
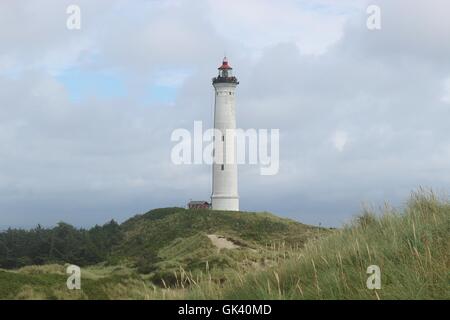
x=257 y=24
x=446 y=95
x=339 y=139
x=305 y=68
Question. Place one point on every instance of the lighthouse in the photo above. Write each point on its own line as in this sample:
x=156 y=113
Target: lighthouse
x=225 y=176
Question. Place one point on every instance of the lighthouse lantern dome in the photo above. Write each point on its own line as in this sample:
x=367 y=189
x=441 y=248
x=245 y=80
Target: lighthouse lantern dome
x=225 y=73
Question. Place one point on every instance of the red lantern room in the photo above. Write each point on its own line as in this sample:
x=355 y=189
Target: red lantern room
x=225 y=73
x=225 y=69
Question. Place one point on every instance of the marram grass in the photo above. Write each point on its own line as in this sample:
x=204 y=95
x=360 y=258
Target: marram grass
x=410 y=246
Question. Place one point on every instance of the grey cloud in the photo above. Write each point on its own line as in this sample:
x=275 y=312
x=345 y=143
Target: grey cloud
x=90 y=161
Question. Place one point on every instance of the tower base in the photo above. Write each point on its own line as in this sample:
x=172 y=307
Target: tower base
x=225 y=203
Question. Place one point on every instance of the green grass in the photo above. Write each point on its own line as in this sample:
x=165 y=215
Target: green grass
x=410 y=247
x=162 y=240
x=290 y=261
x=169 y=248
x=158 y=228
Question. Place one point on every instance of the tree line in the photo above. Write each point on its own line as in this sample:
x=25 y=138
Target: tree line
x=61 y=244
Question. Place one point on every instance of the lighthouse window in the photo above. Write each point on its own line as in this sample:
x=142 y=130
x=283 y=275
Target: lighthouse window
x=229 y=93
x=223 y=138
x=223 y=167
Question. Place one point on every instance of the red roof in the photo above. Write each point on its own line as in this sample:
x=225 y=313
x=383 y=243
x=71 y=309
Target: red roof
x=225 y=64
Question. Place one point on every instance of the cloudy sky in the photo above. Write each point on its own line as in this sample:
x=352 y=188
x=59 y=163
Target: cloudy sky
x=86 y=115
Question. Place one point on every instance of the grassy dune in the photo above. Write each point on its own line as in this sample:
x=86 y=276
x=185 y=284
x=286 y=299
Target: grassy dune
x=162 y=241
x=410 y=246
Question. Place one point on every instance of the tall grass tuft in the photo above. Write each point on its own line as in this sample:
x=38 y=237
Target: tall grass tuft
x=410 y=246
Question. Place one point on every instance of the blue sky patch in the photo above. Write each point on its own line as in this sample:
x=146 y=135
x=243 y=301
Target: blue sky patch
x=84 y=83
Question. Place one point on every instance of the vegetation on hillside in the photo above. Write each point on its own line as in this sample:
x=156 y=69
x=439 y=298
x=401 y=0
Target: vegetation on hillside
x=165 y=239
x=410 y=246
x=157 y=243
x=61 y=244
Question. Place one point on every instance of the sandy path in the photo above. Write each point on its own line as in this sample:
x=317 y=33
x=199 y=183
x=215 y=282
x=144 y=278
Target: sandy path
x=221 y=242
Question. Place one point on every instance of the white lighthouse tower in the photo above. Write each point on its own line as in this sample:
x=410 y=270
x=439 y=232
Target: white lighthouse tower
x=225 y=181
